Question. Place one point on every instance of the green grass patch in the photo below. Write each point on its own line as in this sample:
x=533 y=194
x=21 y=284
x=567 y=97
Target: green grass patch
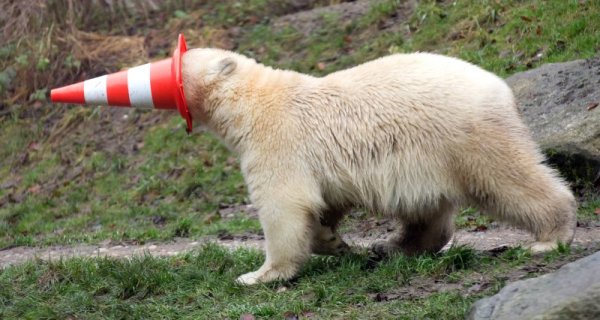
x=589 y=210
x=507 y=36
x=96 y=195
x=336 y=45
x=501 y=36
x=201 y=285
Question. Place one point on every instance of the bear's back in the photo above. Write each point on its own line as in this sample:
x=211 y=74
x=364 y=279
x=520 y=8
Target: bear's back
x=424 y=77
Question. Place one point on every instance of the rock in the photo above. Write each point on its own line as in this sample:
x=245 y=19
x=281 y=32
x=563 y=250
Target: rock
x=309 y=22
x=572 y=292
x=556 y=101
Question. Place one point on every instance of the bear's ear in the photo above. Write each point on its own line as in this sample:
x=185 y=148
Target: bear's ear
x=218 y=69
x=226 y=66
x=222 y=67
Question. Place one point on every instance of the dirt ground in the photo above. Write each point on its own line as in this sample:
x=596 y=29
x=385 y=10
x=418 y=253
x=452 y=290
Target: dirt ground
x=371 y=230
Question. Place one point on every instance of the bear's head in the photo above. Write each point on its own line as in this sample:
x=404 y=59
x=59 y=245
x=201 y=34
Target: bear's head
x=209 y=79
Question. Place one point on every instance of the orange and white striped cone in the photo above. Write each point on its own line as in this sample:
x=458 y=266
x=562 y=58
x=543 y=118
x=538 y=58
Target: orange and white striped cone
x=156 y=85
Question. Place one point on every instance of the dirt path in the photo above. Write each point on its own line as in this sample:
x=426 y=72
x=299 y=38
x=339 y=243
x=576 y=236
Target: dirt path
x=487 y=240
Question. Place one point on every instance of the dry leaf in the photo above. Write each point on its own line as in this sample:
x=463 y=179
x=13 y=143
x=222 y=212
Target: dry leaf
x=252 y=20
x=34 y=146
x=231 y=161
x=592 y=105
x=34 y=189
x=247 y=316
x=480 y=228
x=288 y=315
x=24 y=158
x=211 y=218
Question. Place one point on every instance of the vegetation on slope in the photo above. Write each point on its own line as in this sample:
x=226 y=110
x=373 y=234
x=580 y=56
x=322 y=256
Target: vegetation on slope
x=71 y=174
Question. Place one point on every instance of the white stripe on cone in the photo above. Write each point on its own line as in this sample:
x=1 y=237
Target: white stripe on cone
x=94 y=90
x=138 y=82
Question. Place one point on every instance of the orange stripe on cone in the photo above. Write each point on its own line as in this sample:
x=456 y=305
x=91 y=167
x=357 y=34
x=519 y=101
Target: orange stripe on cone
x=117 y=90
x=162 y=85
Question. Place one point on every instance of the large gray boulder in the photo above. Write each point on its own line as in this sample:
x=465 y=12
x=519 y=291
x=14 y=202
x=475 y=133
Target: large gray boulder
x=557 y=101
x=572 y=292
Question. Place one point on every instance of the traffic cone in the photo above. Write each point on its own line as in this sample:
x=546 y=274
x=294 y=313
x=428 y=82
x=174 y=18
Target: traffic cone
x=156 y=85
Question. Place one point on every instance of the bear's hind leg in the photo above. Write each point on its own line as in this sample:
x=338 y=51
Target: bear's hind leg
x=427 y=231
x=326 y=239
x=538 y=202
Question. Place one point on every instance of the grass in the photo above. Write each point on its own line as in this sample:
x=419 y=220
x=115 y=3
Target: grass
x=508 y=36
x=589 y=210
x=501 y=36
x=200 y=285
x=121 y=200
x=86 y=175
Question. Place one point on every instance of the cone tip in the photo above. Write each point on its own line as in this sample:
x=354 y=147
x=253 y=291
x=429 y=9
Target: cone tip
x=69 y=94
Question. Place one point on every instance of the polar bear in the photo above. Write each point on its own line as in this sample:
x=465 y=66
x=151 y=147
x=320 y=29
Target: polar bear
x=412 y=136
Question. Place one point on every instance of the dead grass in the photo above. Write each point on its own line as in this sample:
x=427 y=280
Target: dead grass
x=109 y=50
x=47 y=44
x=50 y=43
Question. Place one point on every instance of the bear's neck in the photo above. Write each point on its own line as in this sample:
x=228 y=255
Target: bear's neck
x=254 y=105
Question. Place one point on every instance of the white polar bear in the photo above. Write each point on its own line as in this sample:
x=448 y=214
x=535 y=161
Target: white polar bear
x=413 y=136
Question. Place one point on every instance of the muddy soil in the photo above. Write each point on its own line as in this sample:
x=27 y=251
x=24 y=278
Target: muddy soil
x=493 y=238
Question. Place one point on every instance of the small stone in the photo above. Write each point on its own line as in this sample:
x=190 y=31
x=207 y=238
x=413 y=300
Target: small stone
x=282 y=289
x=247 y=316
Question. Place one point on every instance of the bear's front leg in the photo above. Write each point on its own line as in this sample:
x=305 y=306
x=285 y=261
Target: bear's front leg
x=287 y=221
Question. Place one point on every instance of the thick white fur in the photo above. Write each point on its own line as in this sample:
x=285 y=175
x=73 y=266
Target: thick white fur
x=413 y=136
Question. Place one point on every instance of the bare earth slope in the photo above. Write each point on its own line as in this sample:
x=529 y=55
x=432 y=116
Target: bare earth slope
x=488 y=240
